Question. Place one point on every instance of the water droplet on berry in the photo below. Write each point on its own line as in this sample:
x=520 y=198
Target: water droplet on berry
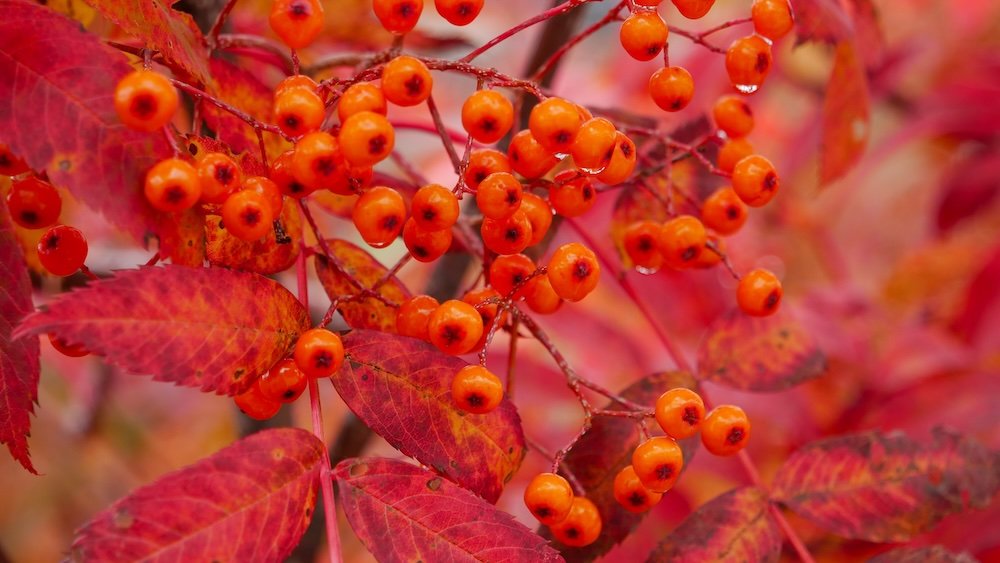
x=646 y=271
x=747 y=88
x=593 y=171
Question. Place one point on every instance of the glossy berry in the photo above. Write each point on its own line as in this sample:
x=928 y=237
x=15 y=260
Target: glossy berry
x=542 y=299
x=459 y=12
x=298 y=111
x=489 y=313
x=574 y=197
x=711 y=254
x=282 y=175
x=62 y=250
x=581 y=527
x=748 y=61
x=363 y=96
x=379 y=215
x=594 y=145
x=219 y=176
x=398 y=16
x=268 y=190
x=658 y=462
x=319 y=353
x=424 y=245
x=487 y=115
x=33 y=203
x=724 y=212
x=671 y=88
x=413 y=315
x=499 y=195
x=296 y=22
x=455 y=327
x=573 y=271
x=539 y=215
x=509 y=235
x=482 y=163
x=406 y=81
x=693 y=9
x=734 y=116
x=643 y=35
x=70 y=350
x=527 y=156
x=733 y=151
x=296 y=82
x=641 y=242
x=622 y=162
x=510 y=271
x=726 y=430
x=366 y=138
x=172 y=185
x=254 y=404
x=755 y=180
x=318 y=162
x=554 y=123
x=631 y=494
x=247 y=215
x=284 y=382
x=11 y=164
x=759 y=293
x=681 y=241
x=145 y=100
x=549 y=497
x=434 y=208
x=772 y=18
x=679 y=412
x=476 y=390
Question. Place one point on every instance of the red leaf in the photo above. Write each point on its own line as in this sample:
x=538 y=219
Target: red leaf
x=210 y=328
x=759 y=353
x=821 y=20
x=607 y=448
x=401 y=388
x=846 y=115
x=735 y=526
x=63 y=80
x=264 y=256
x=969 y=188
x=356 y=265
x=183 y=238
x=932 y=554
x=244 y=91
x=886 y=487
x=251 y=501
x=404 y=513
x=19 y=359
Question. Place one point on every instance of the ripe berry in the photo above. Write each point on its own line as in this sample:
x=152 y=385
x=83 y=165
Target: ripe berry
x=379 y=215
x=424 y=245
x=296 y=22
x=748 y=61
x=489 y=313
x=527 y=156
x=509 y=235
x=542 y=299
x=318 y=162
x=622 y=162
x=413 y=315
x=594 y=145
x=33 y=203
x=643 y=35
x=671 y=88
x=574 y=197
x=581 y=527
x=298 y=111
x=681 y=241
x=658 y=462
x=363 y=96
x=631 y=494
x=499 y=195
x=319 y=353
x=726 y=430
x=296 y=82
x=398 y=16
x=366 y=138
x=759 y=293
x=693 y=9
x=554 y=123
x=145 y=100
x=219 y=176
x=459 y=12
x=254 y=404
x=510 y=271
x=11 y=164
x=755 y=180
x=549 y=497
x=733 y=151
x=62 y=250
x=711 y=255
x=487 y=115
x=724 y=212
x=434 y=208
x=281 y=174
x=455 y=327
x=539 y=214
x=642 y=246
x=772 y=18
x=71 y=350
x=573 y=271
x=284 y=382
x=247 y=215
x=474 y=389
x=172 y=185
x=733 y=116
x=482 y=163
x=268 y=190
x=679 y=412
x=406 y=81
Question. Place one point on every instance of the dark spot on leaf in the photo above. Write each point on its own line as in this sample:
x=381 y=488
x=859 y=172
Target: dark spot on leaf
x=277 y=453
x=453 y=464
x=434 y=484
x=359 y=469
x=123 y=519
x=364 y=377
x=238 y=373
x=65 y=165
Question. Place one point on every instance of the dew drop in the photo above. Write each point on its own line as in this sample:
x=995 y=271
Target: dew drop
x=646 y=271
x=747 y=88
x=561 y=155
x=593 y=171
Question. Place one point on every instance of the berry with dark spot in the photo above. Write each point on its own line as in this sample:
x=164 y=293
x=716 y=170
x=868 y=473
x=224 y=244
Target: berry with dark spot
x=733 y=115
x=554 y=123
x=247 y=215
x=62 y=250
x=759 y=293
x=414 y=314
x=755 y=180
x=509 y=235
x=476 y=390
x=406 y=81
x=681 y=241
x=254 y=404
x=459 y=12
x=319 y=353
x=679 y=412
x=772 y=18
x=296 y=22
x=434 y=208
x=33 y=203
x=723 y=211
x=643 y=35
x=641 y=244
x=455 y=327
x=366 y=138
x=487 y=115
x=581 y=527
x=573 y=271
x=398 y=16
x=726 y=430
x=748 y=61
x=527 y=157
x=499 y=195
x=284 y=382
x=510 y=271
x=219 y=176
x=671 y=88
x=145 y=100
x=658 y=462
x=425 y=245
x=631 y=494
x=172 y=185
x=379 y=215
x=549 y=497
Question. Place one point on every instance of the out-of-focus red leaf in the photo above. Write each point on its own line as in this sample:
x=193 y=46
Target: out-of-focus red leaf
x=932 y=554
x=886 y=487
x=401 y=388
x=251 y=501
x=846 y=115
x=821 y=20
x=18 y=359
x=210 y=328
x=759 y=353
x=970 y=188
x=360 y=266
x=171 y=33
x=68 y=77
x=183 y=238
x=424 y=41
x=404 y=513
x=735 y=526
x=980 y=314
x=264 y=256
x=241 y=89
x=607 y=448
x=868 y=34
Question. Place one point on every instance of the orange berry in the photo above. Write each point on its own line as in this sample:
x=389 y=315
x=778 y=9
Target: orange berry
x=539 y=214
x=219 y=176
x=679 y=412
x=363 y=96
x=748 y=61
x=724 y=212
x=482 y=163
x=66 y=349
x=693 y=9
x=10 y=163
x=298 y=111
x=671 y=88
x=296 y=22
x=424 y=245
x=379 y=215
x=319 y=353
x=455 y=327
x=282 y=175
x=510 y=271
x=725 y=430
x=318 y=162
x=733 y=151
x=594 y=145
x=406 y=81
x=459 y=12
x=733 y=115
x=296 y=82
x=658 y=462
x=33 y=203
x=710 y=256
x=759 y=293
x=247 y=215
x=366 y=138
x=488 y=313
x=284 y=382
x=772 y=18
x=398 y=16
x=542 y=299
x=755 y=180
x=549 y=497
x=172 y=185
x=573 y=271
x=413 y=315
x=145 y=100
x=631 y=494
x=642 y=246
x=681 y=241
x=268 y=190
x=527 y=156
x=487 y=115
x=622 y=162
x=476 y=390
x=574 y=197
x=499 y=195
x=434 y=208
x=581 y=527
x=254 y=404
x=554 y=122
x=643 y=35
x=62 y=250
x=509 y=235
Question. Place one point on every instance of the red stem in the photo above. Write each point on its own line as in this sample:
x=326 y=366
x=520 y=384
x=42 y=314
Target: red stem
x=551 y=62
x=220 y=20
x=548 y=14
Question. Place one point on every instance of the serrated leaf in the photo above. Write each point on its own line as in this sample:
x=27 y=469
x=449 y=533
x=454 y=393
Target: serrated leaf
x=264 y=256
x=404 y=513
x=241 y=89
x=210 y=328
x=401 y=388
x=19 y=368
x=759 y=353
x=359 y=265
x=932 y=554
x=846 y=115
x=251 y=501
x=886 y=487
x=735 y=526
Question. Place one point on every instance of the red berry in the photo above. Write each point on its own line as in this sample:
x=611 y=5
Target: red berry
x=172 y=185
x=549 y=497
x=434 y=208
x=247 y=215
x=424 y=245
x=319 y=353
x=509 y=235
x=62 y=250
x=284 y=382
x=476 y=390
x=398 y=16
x=11 y=164
x=34 y=204
x=219 y=176
x=145 y=100
x=748 y=61
x=414 y=314
x=297 y=22
x=254 y=404
x=71 y=350
x=459 y=12
x=554 y=123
